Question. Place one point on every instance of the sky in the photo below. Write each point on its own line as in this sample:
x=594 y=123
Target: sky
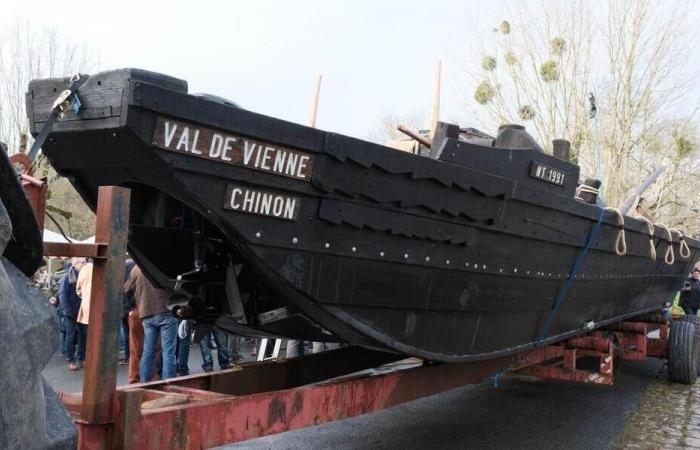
x=376 y=57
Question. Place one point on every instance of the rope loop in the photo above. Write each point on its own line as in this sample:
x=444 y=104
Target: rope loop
x=669 y=257
x=620 y=242
x=683 y=250
x=650 y=229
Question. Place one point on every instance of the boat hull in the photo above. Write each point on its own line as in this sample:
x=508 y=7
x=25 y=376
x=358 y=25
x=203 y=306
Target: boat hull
x=362 y=243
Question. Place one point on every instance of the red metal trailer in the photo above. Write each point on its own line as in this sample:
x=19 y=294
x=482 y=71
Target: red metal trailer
x=258 y=399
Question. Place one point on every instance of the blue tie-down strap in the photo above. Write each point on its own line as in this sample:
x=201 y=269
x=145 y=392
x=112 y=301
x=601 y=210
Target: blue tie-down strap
x=495 y=378
x=75 y=103
x=561 y=295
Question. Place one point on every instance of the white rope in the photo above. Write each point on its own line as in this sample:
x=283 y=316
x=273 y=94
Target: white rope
x=585 y=188
x=684 y=250
x=589 y=189
x=620 y=242
x=650 y=228
x=669 y=257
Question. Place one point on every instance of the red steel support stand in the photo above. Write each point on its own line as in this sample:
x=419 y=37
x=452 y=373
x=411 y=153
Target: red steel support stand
x=100 y=382
x=96 y=415
x=35 y=188
x=633 y=342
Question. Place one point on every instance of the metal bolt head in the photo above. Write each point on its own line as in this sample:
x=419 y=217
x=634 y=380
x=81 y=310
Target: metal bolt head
x=381 y=254
x=327 y=245
x=295 y=240
x=258 y=234
x=405 y=256
x=427 y=259
x=354 y=249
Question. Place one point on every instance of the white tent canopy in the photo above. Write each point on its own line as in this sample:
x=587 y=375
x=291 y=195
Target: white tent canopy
x=52 y=236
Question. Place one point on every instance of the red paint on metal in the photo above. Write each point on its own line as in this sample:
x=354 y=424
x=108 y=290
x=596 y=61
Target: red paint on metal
x=35 y=188
x=266 y=398
x=94 y=251
x=565 y=369
x=100 y=378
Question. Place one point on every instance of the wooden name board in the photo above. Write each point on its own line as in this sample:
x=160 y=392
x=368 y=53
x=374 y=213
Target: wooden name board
x=186 y=138
x=261 y=202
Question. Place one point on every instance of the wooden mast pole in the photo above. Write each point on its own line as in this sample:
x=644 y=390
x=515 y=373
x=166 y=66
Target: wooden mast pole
x=436 y=100
x=314 y=104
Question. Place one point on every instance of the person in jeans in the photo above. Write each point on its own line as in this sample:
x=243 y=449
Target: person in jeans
x=127 y=305
x=156 y=319
x=55 y=285
x=234 y=345
x=183 y=347
x=69 y=303
x=221 y=350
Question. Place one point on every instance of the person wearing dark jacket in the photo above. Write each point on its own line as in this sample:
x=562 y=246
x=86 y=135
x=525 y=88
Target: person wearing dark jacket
x=69 y=305
x=156 y=319
x=690 y=294
x=54 y=286
x=127 y=305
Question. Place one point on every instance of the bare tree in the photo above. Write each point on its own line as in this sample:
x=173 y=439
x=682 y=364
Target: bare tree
x=611 y=80
x=27 y=53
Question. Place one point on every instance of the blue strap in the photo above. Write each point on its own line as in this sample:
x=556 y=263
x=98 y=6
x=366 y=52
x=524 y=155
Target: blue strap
x=495 y=378
x=572 y=274
x=75 y=103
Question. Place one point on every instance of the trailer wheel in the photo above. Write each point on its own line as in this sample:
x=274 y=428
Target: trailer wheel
x=695 y=321
x=683 y=352
x=690 y=318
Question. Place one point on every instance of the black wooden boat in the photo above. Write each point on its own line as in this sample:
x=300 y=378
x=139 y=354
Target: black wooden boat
x=273 y=228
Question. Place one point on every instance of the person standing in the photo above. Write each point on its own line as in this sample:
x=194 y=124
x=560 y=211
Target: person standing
x=83 y=288
x=156 y=319
x=221 y=350
x=127 y=305
x=690 y=294
x=69 y=302
x=184 y=339
x=54 y=299
x=233 y=347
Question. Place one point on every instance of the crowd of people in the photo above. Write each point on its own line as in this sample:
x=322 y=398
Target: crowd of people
x=155 y=344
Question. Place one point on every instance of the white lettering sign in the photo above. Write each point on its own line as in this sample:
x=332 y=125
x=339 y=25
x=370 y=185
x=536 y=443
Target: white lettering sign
x=256 y=201
x=181 y=137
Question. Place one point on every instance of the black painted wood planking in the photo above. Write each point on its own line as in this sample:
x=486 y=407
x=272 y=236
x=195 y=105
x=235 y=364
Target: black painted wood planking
x=450 y=259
